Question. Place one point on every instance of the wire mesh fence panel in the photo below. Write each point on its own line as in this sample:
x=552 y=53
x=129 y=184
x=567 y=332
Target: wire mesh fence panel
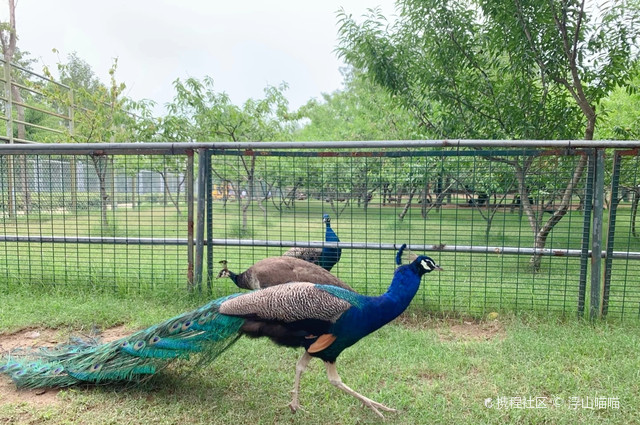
x=78 y=220
x=466 y=204
x=511 y=227
x=622 y=287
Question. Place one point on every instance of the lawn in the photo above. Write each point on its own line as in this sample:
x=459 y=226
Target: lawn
x=433 y=369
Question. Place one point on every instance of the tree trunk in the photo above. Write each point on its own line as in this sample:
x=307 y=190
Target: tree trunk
x=402 y=214
x=99 y=164
x=562 y=208
x=250 y=181
x=167 y=193
x=634 y=211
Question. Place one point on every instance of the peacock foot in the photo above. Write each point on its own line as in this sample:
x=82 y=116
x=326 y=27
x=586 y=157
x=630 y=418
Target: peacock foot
x=295 y=406
x=374 y=405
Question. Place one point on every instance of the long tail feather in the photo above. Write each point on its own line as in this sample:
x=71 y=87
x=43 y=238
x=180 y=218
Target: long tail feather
x=132 y=358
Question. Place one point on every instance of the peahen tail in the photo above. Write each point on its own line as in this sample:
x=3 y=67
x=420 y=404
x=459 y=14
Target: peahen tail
x=132 y=358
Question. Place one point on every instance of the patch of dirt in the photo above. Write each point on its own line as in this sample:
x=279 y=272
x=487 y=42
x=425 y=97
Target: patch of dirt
x=33 y=338
x=472 y=331
x=455 y=328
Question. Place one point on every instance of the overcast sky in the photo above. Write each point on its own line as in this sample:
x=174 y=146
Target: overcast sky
x=244 y=45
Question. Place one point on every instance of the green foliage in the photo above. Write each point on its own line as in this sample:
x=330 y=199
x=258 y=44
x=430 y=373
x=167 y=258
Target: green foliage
x=491 y=69
x=619 y=112
x=199 y=113
x=359 y=111
x=47 y=201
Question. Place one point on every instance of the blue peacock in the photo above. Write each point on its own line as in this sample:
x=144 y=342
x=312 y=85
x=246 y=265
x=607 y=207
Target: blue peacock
x=325 y=257
x=323 y=319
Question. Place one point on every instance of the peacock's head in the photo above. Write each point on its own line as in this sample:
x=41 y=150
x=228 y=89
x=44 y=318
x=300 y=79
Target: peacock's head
x=326 y=218
x=426 y=264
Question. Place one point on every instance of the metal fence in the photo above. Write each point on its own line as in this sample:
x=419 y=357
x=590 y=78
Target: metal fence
x=139 y=217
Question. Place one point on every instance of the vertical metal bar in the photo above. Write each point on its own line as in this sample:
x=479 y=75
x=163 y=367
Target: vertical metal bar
x=73 y=169
x=9 y=113
x=190 y=190
x=615 y=184
x=586 y=234
x=209 y=199
x=596 y=241
x=202 y=183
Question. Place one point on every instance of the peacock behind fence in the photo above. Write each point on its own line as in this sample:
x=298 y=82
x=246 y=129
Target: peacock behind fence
x=325 y=257
x=322 y=319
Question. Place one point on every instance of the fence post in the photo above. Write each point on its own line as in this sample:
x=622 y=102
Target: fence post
x=596 y=240
x=9 y=113
x=200 y=216
x=209 y=198
x=72 y=163
x=586 y=232
x=613 y=208
x=189 y=220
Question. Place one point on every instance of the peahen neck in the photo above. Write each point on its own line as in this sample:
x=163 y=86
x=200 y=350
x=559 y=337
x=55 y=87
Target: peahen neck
x=233 y=276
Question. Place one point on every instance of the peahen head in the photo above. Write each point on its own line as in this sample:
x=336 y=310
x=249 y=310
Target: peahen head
x=425 y=264
x=225 y=271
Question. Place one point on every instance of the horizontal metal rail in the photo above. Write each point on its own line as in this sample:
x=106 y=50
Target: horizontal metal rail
x=94 y=240
x=28 y=71
x=501 y=250
x=168 y=148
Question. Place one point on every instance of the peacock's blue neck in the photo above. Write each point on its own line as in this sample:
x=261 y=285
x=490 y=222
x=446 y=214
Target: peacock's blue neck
x=330 y=256
x=403 y=288
x=378 y=311
x=330 y=235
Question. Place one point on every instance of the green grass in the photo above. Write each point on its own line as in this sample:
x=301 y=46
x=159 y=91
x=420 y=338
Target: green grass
x=431 y=369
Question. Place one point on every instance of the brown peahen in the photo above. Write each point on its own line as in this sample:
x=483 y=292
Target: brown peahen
x=278 y=270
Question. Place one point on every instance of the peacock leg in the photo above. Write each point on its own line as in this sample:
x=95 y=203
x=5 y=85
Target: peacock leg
x=334 y=378
x=301 y=366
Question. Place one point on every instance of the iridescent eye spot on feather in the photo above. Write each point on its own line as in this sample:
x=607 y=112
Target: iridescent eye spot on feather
x=154 y=340
x=186 y=325
x=175 y=327
x=205 y=318
x=96 y=367
x=139 y=345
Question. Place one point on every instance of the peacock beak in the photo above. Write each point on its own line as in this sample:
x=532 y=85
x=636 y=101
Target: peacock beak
x=438 y=268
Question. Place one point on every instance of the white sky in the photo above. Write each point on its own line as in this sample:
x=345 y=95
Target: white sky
x=244 y=45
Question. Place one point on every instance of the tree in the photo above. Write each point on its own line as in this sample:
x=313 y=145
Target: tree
x=361 y=110
x=8 y=40
x=526 y=69
x=100 y=115
x=211 y=116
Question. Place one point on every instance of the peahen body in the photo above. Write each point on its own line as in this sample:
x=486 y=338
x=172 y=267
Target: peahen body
x=278 y=270
x=322 y=319
x=325 y=257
